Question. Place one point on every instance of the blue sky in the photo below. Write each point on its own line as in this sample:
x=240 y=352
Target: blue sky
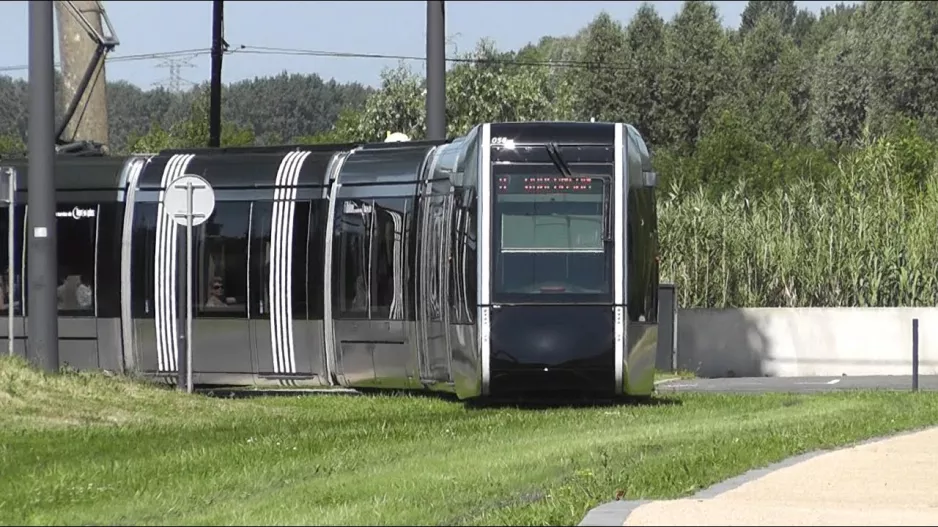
x=384 y=27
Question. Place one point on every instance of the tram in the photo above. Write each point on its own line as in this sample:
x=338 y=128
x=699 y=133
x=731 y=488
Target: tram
x=519 y=259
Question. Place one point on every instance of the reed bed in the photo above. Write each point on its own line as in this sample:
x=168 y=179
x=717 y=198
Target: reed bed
x=867 y=237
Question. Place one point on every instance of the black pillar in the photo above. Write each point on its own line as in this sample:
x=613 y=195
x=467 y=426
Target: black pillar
x=214 y=118
x=42 y=322
x=436 y=70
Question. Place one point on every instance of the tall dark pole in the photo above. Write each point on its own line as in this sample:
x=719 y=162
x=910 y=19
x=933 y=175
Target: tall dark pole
x=42 y=321
x=214 y=118
x=436 y=70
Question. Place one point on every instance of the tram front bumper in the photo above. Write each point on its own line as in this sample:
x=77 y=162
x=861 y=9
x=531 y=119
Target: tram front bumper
x=553 y=349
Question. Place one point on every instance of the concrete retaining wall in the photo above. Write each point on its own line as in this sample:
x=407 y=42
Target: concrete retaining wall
x=786 y=342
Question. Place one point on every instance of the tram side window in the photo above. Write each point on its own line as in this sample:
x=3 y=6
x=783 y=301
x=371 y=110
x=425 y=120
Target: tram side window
x=298 y=278
x=388 y=257
x=16 y=261
x=143 y=260
x=222 y=261
x=457 y=239
x=108 y=273
x=76 y=228
x=262 y=214
x=351 y=280
x=469 y=276
x=634 y=251
x=313 y=245
x=435 y=260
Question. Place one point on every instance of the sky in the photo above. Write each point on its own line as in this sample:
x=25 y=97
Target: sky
x=377 y=27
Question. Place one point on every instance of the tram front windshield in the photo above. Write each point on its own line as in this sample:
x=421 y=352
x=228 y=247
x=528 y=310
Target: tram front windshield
x=550 y=235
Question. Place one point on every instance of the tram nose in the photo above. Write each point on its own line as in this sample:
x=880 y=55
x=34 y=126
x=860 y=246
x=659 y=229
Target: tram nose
x=552 y=348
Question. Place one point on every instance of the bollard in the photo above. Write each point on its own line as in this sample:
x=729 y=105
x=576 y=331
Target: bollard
x=914 y=354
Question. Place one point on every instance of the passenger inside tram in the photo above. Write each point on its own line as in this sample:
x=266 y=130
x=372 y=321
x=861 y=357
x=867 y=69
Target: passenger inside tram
x=5 y=292
x=216 y=294
x=74 y=293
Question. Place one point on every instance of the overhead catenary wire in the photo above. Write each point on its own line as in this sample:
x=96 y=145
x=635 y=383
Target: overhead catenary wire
x=557 y=63
x=268 y=50
x=278 y=51
x=300 y=52
x=128 y=58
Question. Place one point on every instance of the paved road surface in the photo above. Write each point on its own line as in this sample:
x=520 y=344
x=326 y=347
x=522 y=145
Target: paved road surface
x=886 y=481
x=797 y=384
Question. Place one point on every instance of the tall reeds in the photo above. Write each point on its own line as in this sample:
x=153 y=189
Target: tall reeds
x=866 y=237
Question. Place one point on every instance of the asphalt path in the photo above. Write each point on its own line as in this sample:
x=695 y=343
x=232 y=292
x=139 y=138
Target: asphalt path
x=797 y=384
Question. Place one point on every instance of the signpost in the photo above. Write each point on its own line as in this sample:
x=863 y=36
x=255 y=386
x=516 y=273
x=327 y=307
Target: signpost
x=189 y=201
x=8 y=195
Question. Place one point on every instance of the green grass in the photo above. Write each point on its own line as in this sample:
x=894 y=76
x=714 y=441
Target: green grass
x=82 y=448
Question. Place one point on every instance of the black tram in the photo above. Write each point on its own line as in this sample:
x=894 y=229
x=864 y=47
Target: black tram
x=518 y=259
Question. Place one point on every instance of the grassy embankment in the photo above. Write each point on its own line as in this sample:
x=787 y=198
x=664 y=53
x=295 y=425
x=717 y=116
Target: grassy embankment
x=83 y=448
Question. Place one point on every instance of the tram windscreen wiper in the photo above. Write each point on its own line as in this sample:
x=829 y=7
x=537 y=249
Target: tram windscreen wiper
x=557 y=159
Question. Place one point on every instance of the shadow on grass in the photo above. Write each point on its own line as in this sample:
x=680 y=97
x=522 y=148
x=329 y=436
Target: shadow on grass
x=527 y=402
x=531 y=401
x=247 y=393
x=553 y=402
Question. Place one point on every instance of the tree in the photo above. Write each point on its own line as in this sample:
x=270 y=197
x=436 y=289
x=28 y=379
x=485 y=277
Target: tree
x=728 y=153
x=289 y=104
x=641 y=96
x=132 y=111
x=191 y=132
x=784 y=11
x=486 y=86
x=773 y=90
x=490 y=86
x=11 y=145
x=600 y=83
x=840 y=90
x=830 y=22
x=340 y=133
x=802 y=28
x=697 y=69
x=903 y=43
x=397 y=107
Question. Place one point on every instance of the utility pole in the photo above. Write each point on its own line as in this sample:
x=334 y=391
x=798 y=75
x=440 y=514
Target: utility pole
x=83 y=77
x=218 y=50
x=42 y=317
x=436 y=70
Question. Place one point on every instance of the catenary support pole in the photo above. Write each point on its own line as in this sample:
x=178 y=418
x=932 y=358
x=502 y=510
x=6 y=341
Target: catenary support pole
x=189 y=212
x=218 y=24
x=436 y=70
x=42 y=321
x=181 y=252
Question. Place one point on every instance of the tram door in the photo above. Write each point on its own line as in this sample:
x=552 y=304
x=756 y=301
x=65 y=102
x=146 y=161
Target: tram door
x=221 y=333
x=433 y=281
x=76 y=236
x=11 y=235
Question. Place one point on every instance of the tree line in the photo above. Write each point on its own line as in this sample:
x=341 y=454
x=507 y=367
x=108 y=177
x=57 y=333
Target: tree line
x=271 y=110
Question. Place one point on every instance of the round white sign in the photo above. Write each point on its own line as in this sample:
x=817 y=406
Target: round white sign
x=176 y=201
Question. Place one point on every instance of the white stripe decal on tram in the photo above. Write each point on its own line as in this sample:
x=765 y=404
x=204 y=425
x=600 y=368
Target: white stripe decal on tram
x=159 y=292
x=165 y=283
x=281 y=263
x=288 y=264
x=273 y=267
x=620 y=195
